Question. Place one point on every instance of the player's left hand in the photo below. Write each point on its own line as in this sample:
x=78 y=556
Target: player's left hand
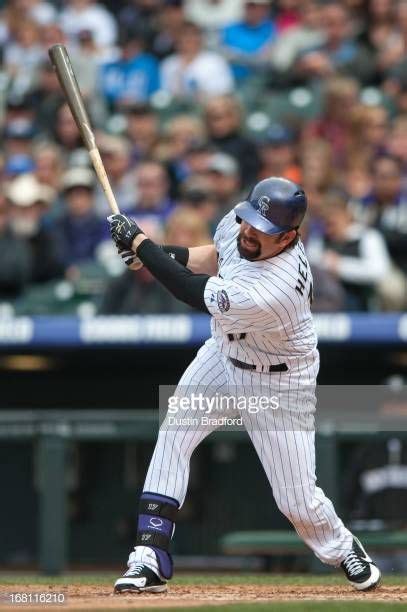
x=123 y=230
x=130 y=259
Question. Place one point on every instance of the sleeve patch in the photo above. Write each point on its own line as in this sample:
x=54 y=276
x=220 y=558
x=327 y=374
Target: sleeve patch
x=223 y=301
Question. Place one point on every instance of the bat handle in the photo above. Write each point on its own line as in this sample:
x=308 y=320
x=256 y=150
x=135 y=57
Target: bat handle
x=103 y=178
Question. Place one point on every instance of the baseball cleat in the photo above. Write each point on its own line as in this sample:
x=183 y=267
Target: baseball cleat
x=359 y=568
x=139 y=579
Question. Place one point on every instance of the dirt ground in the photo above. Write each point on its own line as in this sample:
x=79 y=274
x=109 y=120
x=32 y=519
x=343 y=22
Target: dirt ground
x=96 y=596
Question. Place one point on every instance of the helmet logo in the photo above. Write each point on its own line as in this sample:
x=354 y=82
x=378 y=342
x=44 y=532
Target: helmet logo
x=264 y=205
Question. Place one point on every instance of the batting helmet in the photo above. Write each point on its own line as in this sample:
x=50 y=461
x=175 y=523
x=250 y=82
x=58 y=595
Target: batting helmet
x=273 y=206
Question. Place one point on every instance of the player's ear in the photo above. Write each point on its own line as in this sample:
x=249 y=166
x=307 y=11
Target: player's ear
x=288 y=237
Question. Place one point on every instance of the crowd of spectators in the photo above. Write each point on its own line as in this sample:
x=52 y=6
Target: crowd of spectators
x=193 y=101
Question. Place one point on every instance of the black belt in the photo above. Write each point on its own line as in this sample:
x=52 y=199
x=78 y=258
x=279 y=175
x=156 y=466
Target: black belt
x=279 y=367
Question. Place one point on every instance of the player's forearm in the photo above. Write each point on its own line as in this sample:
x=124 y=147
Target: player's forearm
x=203 y=260
x=200 y=260
x=181 y=282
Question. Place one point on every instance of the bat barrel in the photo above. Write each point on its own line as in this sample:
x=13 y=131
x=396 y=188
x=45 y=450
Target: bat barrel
x=60 y=60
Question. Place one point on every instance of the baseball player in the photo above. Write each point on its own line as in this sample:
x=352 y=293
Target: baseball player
x=256 y=283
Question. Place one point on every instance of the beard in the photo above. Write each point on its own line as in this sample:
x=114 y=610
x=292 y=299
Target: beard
x=251 y=255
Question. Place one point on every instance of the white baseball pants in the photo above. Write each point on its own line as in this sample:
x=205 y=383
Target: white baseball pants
x=284 y=440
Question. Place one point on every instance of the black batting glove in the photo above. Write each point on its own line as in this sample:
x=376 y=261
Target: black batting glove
x=123 y=230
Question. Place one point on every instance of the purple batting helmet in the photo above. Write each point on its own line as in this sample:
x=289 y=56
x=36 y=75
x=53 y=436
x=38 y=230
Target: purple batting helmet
x=274 y=205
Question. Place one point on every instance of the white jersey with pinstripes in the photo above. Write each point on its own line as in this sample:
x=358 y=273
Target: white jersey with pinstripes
x=261 y=315
x=260 y=310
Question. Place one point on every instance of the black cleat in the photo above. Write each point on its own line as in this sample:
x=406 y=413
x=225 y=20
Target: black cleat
x=139 y=579
x=359 y=568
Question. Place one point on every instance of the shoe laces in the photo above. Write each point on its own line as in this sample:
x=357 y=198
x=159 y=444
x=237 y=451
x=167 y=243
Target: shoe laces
x=135 y=567
x=354 y=564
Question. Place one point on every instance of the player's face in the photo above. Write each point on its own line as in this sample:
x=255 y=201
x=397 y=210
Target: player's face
x=255 y=245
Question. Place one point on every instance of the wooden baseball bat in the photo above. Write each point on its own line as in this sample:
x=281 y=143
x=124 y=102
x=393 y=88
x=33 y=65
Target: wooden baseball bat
x=66 y=76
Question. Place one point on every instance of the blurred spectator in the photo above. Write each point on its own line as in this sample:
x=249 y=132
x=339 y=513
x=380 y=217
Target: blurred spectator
x=181 y=133
x=153 y=196
x=378 y=31
x=142 y=15
x=43 y=13
x=19 y=163
x=318 y=175
x=138 y=292
x=29 y=201
x=393 y=48
x=304 y=35
x=48 y=164
x=369 y=127
x=52 y=34
x=357 y=180
x=328 y=293
x=79 y=230
x=87 y=59
x=47 y=99
x=193 y=72
x=134 y=76
x=396 y=142
x=18 y=135
x=335 y=125
x=318 y=178
x=197 y=157
x=23 y=56
x=394 y=62
x=223 y=171
x=78 y=158
x=224 y=119
x=395 y=87
x=339 y=53
x=385 y=208
x=79 y=15
x=66 y=132
x=198 y=198
x=20 y=106
x=186 y=228
x=15 y=263
x=142 y=131
x=356 y=255
x=212 y=15
x=115 y=152
x=170 y=22
x=247 y=43
x=278 y=154
x=287 y=15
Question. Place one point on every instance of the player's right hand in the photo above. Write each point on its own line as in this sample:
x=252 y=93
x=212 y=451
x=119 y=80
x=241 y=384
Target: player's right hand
x=130 y=259
x=123 y=230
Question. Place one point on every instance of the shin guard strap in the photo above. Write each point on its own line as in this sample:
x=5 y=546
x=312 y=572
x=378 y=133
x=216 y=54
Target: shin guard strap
x=157 y=508
x=153 y=539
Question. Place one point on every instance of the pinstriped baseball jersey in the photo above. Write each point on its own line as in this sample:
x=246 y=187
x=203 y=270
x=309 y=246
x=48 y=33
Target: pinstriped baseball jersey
x=260 y=309
x=261 y=315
